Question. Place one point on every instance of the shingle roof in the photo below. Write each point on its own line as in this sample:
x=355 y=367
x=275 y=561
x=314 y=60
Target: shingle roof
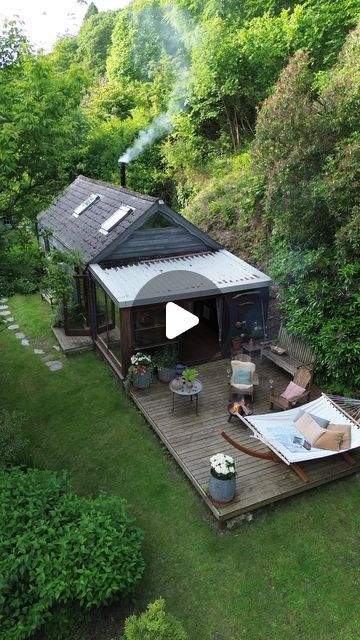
x=82 y=233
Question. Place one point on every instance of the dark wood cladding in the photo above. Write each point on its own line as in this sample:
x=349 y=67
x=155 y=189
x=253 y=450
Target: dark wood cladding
x=151 y=243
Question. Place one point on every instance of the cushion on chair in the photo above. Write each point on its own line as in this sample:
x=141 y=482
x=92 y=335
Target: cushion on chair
x=346 y=429
x=242 y=376
x=292 y=391
x=322 y=422
x=309 y=428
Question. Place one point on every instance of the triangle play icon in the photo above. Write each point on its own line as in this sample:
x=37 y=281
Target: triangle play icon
x=178 y=320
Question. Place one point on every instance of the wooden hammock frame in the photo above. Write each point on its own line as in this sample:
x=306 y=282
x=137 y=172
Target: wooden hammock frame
x=271 y=455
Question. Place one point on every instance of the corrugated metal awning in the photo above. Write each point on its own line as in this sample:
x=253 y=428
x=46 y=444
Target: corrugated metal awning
x=216 y=272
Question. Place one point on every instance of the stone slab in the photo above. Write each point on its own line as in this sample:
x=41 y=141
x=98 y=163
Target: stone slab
x=47 y=357
x=9 y=319
x=3 y=300
x=12 y=327
x=56 y=347
x=5 y=313
x=39 y=352
x=54 y=365
x=20 y=335
x=25 y=342
x=3 y=307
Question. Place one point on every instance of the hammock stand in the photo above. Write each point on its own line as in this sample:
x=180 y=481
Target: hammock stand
x=274 y=456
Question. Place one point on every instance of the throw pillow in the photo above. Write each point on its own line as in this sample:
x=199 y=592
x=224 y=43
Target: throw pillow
x=330 y=440
x=292 y=391
x=346 y=428
x=242 y=376
x=322 y=422
x=309 y=428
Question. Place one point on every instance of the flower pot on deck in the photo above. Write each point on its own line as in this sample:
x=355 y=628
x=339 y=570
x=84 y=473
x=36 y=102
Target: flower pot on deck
x=222 y=490
x=166 y=374
x=142 y=380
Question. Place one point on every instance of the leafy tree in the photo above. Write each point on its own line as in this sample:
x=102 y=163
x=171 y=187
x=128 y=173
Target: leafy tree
x=56 y=547
x=307 y=147
x=41 y=132
x=94 y=41
x=64 y=53
x=92 y=10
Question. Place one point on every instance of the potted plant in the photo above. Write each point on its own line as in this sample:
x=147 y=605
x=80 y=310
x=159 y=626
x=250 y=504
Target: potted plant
x=222 y=482
x=165 y=362
x=140 y=370
x=189 y=376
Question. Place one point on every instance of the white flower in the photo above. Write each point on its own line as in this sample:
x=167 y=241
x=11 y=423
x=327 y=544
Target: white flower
x=222 y=464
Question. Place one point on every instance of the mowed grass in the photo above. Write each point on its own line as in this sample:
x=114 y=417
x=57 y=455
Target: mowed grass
x=291 y=574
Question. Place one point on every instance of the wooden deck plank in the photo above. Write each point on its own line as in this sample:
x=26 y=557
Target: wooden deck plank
x=192 y=439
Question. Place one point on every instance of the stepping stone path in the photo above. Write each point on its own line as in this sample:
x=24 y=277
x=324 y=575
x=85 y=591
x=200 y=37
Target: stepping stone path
x=47 y=358
x=54 y=365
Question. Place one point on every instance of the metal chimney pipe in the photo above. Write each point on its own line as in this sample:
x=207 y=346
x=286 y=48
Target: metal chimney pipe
x=122 y=166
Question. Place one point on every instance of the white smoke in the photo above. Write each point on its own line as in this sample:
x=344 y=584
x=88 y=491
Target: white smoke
x=158 y=127
x=178 y=100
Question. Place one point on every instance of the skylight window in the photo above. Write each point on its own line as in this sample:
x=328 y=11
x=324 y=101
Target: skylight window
x=86 y=204
x=111 y=222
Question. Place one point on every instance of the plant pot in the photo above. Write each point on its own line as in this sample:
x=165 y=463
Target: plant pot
x=222 y=490
x=236 y=344
x=166 y=374
x=177 y=383
x=189 y=385
x=142 y=380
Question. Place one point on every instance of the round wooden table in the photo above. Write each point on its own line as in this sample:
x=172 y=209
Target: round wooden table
x=187 y=392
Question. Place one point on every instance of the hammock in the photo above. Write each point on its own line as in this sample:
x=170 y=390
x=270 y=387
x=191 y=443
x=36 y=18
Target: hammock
x=276 y=430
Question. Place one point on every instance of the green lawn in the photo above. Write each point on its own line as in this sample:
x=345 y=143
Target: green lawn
x=292 y=573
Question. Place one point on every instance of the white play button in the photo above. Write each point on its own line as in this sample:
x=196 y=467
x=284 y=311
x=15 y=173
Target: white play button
x=178 y=320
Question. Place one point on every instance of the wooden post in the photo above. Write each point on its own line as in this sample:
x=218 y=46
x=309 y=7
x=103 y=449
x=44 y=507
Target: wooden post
x=92 y=308
x=107 y=319
x=126 y=338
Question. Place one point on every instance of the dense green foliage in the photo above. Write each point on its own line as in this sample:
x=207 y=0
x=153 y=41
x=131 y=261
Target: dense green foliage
x=56 y=547
x=21 y=261
x=41 y=126
x=154 y=624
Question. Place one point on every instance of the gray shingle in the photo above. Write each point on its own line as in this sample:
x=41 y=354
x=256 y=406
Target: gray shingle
x=82 y=233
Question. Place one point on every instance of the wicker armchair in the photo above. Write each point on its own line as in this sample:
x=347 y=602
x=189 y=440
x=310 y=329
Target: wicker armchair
x=242 y=389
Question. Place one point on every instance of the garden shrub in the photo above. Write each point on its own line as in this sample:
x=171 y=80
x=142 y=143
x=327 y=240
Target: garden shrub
x=154 y=624
x=21 y=262
x=12 y=441
x=57 y=547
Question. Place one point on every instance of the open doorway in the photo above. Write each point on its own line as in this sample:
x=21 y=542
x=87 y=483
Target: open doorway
x=202 y=342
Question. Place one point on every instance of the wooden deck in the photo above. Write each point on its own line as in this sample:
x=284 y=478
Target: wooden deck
x=193 y=439
x=72 y=344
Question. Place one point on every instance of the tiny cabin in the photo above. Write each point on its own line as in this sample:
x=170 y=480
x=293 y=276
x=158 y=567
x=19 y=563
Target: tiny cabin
x=138 y=254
